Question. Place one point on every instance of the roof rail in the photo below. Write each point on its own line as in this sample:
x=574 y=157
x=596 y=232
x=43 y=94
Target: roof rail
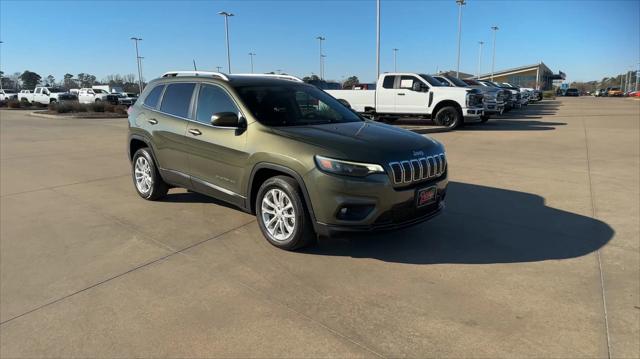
x=284 y=77
x=195 y=73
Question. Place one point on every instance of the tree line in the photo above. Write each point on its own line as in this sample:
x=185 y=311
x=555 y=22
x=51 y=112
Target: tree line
x=616 y=81
x=28 y=80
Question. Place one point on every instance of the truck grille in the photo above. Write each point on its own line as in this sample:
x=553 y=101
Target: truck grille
x=418 y=169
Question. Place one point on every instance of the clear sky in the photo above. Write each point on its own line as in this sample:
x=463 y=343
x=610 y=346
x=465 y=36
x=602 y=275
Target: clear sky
x=586 y=39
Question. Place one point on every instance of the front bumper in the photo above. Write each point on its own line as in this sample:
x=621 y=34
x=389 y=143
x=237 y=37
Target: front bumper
x=388 y=207
x=493 y=107
x=472 y=112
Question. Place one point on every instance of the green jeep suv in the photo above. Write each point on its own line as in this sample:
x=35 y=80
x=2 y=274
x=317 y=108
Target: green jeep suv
x=291 y=154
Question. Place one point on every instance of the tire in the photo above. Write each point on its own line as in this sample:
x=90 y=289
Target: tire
x=98 y=100
x=282 y=195
x=151 y=186
x=53 y=100
x=484 y=118
x=448 y=117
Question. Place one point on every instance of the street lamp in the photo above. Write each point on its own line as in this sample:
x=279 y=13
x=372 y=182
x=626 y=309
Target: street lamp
x=460 y=4
x=219 y=68
x=322 y=57
x=251 y=55
x=493 y=60
x=479 y=58
x=395 y=60
x=377 y=40
x=135 y=40
x=226 y=34
x=321 y=39
x=1 y=42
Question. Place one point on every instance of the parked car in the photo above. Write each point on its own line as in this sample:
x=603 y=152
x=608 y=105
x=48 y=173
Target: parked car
x=492 y=98
x=45 y=95
x=8 y=94
x=406 y=94
x=522 y=97
x=599 y=93
x=90 y=95
x=302 y=162
x=572 y=92
x=122 y=97
x=634 y=94
x=614 y=92
x=511 y=98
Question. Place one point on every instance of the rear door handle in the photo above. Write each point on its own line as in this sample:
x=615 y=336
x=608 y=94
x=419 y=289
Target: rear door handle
x=400 y=94
x=195 y=132
x=153 y=121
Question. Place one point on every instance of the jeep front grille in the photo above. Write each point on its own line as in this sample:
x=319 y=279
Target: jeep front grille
x=418 y=169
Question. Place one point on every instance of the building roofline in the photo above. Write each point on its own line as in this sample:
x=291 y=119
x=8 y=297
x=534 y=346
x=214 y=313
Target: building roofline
x=516 y=70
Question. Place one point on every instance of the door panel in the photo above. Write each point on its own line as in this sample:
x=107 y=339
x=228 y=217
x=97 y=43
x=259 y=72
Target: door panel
x=409 y=101
x=386 y=95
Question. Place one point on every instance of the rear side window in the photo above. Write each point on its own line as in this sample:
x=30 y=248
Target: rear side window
x=152 y=97
x=388 y=82
x=177 y=98
x=213 y=99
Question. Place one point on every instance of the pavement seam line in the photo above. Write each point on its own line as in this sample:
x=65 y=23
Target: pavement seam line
x=598 y=255
x=146 y=264
x=64 y=185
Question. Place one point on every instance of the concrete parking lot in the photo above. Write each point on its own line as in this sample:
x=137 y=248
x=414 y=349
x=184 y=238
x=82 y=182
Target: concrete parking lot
x=537 y=255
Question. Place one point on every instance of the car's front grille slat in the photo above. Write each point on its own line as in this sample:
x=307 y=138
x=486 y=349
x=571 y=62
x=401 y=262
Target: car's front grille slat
x=418 y=169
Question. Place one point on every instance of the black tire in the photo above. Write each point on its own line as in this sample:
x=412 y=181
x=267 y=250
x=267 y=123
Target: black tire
x=448 y=117
x=302 y=234
x=53 y=100
x=98 y=100
x=158 y=188
x=484 y=118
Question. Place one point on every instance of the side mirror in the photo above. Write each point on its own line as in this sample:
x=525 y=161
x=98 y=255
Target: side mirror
x=344 y=102
x=225 y=119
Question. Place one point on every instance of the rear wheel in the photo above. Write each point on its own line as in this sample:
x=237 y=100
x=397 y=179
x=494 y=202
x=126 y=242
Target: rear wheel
x=448 y=117
x=282 y=216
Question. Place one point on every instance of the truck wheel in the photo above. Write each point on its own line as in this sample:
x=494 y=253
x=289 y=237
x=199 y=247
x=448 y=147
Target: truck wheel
x=281 y=214
x=146 y=177
x=484 y=118
x=448 y=117
x=98 y=100
x=53 y=100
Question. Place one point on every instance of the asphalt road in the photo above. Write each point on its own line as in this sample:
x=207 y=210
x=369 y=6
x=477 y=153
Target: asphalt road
x=537 y=255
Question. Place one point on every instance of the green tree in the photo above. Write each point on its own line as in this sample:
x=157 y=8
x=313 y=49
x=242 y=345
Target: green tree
x=30 y=79
x=350 y=82
x=51 y=81
x=68 y=81
x=310 y=78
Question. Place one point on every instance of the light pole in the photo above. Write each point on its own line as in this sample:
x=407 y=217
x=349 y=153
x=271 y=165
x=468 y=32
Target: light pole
x=321 y=39
x=135 y=40
x=377 y=39
x=493 y=60
x=637 y=73
x=460 y=4
x=322 y=57
x=141 y=71
x=395 y=60
x=219 y=68
x=479 y=58
x=251 y=55
x=1 y=42
x=226 y=34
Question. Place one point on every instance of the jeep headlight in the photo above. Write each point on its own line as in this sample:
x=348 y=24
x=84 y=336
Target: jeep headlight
x=347 y=168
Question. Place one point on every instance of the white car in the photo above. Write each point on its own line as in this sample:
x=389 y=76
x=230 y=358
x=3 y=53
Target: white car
x=406 y=94
x=7 y=94
x=90 y=95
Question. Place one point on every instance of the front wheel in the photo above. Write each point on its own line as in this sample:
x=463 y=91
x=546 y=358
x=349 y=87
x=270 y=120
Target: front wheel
x=146 y=177
x=281 y=214
x=448 y=117
x=484 y=118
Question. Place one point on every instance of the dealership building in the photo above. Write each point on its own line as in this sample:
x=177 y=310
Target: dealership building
x=537 y=76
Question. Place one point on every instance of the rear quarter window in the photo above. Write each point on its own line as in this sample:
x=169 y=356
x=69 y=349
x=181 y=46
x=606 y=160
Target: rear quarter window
x=177 y=99
x=153 y=97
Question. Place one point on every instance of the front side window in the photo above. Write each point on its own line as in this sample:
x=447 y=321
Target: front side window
x=211 y=100
x=154 y=96
x=177 y=99
x=406 y=82
x=294 y=105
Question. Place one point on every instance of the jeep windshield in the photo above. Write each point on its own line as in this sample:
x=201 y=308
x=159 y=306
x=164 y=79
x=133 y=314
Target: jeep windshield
x=294 y=105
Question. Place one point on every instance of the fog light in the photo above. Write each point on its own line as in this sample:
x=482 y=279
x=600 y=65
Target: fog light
x=354 y=212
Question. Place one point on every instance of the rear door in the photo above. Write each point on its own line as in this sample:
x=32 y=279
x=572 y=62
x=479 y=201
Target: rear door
x=410 y=101
x=217 y=155
x=166 y=121
x=386 y=95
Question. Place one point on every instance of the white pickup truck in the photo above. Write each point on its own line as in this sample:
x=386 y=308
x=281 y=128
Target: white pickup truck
x=405 y=94
x=46 y=95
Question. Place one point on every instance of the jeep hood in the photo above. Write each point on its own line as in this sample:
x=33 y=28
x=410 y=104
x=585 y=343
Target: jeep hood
x=362 y=141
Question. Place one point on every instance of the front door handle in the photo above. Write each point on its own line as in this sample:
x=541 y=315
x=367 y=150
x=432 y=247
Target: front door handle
x=153 y=121
x=195 y=132
x=400 y=94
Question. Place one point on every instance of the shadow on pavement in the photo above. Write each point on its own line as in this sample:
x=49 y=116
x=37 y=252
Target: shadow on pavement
x=480 y=225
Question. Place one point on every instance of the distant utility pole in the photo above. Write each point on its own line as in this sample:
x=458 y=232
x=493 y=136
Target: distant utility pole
x=135 y=40
x=395 y=60
x=251 y=55
x=460 y=4
x=321 y=39
x=219 y=68
x=479 y=59
x=493 y=60
x=226 y=34
x=195 y=68
x=637 y=73
x=324 y=65
x=1 y=42
x=377 y=39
